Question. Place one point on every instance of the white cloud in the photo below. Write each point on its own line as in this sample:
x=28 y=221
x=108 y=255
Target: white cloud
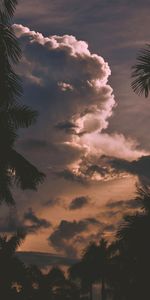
x=111 y=145
x=65 y=86
x=77 y=89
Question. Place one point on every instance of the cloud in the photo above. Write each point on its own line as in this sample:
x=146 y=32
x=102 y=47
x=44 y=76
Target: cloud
x=63 y=238
x=78 y=102
x=51 y=202
x=79 y=202
x=57 y=104
x=30 y=223
x=65 y=86
x=122 y=204
x=106 y=168
x=112 y=145
x=67 y=126
x=139 y=167
x=72 y=176
x=42 y=260
x=35 y=223
x=63 y=62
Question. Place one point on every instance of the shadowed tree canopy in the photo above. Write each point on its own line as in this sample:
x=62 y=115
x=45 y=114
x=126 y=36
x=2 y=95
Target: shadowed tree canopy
x=14 y=168
x=133 y=249
x=93 y=267
x=11 y=268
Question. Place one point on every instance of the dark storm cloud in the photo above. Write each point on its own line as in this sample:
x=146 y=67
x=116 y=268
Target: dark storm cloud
x=36 y=223
x=71 y=176
x=139 y=167
x=112 y=167
x=114 y=211
x=98 y=169
x=67 y=126
x=133 y=203
x=51 y=202
x=64 y=237
x=42 y=260
x=29 y=223
x=67 y=230
x=79 y=202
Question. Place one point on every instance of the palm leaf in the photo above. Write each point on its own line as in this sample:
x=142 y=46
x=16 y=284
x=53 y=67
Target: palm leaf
x=22 y=116
x=15 y=241
x=8 y=246
x=8 y=44
x=26 y=175
x=14 y=168
x=10 y=85
x=141 y=73
x=18 y=116
x=10 y=6
x=5 y=184
x=7 y=8
x=143 y=196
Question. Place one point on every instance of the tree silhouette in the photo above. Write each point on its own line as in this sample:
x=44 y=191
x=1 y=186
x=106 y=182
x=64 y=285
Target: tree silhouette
x=14 y=168
x=93 y=267
x=61 y=288
x=11 y=268
x=133 y=243
x=141 y=73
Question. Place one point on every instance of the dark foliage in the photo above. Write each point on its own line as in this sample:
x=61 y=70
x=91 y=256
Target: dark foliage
x=141 y=73
x=14 y=169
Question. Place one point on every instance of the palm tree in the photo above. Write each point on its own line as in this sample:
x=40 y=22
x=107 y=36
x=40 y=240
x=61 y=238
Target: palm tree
x=141 y=73
x=66 y=290
x=14 y=168
x=93 y=267
x=11 y=268
x=133 y=242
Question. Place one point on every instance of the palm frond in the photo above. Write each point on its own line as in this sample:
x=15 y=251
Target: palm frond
x=141 y=73
x=3 y=241
x=143 y=196
x=17 y=116
x=6 y=195
x=14 y=168
x=5 y=184
x=15 y=241
x=8 y=136
x=21 y=116
x=9 y=245
x=9 y=44
x=7 y=8
x=10 y=6
x=26 y=175
x=10 y=85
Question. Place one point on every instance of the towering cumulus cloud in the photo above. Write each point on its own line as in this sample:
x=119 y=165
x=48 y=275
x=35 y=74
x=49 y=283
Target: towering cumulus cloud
x=72 y=85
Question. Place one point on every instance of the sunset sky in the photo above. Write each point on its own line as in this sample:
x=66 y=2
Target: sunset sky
x=91 y=138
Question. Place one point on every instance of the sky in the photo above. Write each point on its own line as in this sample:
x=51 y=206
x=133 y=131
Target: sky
x=91 y=138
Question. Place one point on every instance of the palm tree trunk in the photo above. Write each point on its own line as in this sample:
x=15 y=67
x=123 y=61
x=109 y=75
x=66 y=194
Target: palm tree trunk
x=103 y=291
x=91 y=292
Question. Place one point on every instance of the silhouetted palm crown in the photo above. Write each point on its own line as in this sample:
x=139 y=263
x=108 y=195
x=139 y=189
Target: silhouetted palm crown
x=133 y=243
x=14 y=168
x=141 y=73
